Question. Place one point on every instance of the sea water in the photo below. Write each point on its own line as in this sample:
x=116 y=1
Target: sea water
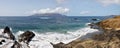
x=50 y=29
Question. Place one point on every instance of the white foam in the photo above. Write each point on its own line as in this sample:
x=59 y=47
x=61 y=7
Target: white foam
x=42 y=40
x=87 y=24
x=7 y=44
x=1 y=30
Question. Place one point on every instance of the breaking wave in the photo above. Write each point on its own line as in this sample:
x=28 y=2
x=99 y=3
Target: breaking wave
x=42 y=40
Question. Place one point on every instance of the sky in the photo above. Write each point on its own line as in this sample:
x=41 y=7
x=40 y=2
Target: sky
x=67 y=7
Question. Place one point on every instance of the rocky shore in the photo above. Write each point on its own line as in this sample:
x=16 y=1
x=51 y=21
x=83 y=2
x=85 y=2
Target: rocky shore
x=109 y=38
x=8 y=40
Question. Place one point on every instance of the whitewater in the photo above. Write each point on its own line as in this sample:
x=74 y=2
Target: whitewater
x=42 y=40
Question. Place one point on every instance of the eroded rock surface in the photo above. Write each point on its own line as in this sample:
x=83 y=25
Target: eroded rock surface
x=110 y=24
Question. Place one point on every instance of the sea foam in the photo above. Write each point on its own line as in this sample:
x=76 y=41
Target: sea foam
x=42 y=40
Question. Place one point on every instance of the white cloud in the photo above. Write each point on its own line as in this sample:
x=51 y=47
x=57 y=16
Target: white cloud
x=60 y=10
x=60 y=1
x=85 y=12
x=109 y=2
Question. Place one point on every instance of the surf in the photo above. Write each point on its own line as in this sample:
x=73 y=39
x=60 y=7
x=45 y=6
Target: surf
x=42 y=40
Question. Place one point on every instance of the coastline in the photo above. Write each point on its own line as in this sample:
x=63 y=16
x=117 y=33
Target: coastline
x=43 y=40
x=109 y=38
x=83 y=38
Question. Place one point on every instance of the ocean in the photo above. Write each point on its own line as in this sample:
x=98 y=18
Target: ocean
x=50 y=28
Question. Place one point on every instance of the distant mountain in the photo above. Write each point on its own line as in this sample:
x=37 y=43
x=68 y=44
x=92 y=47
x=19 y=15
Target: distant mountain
x=50 y=17
x=48 y=14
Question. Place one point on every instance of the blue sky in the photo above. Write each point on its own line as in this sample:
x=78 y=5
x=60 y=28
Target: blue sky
x=67 y=7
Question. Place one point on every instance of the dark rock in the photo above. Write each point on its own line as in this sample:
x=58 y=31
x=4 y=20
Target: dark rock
x=3 y=41
x=16 y=45
x=59 y=45
x=7 y=30
x=95 y=19
x=0 y=43
x=26 y=37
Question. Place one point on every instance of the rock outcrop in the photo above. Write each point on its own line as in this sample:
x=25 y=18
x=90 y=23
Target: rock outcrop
x=110 y=38
x=9 y=33
x=26 y=37
x=110 y=24
x=8 y=40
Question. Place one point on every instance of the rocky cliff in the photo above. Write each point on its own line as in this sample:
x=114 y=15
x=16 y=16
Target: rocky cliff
x=110 y=38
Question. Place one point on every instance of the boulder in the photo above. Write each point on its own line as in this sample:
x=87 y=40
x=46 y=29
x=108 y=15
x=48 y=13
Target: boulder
x=26 y=37
x=7 y=39
x=9 y=33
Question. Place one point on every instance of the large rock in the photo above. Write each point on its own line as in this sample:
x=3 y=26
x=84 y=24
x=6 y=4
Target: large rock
x=26 y=37
x=9 y=33
x=7 y=39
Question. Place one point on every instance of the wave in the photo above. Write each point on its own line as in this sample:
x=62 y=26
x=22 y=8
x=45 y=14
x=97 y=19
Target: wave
x=42 y=40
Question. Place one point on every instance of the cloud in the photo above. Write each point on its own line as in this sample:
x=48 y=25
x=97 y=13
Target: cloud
x=109 y=2
x=85 y=12
x=60 y=10
x=60 y=1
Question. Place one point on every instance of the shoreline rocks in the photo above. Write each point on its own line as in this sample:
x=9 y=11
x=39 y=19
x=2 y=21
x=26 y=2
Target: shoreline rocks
x=8 y=40
x=9 y=33
x=110 y=24
x=26 y=37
